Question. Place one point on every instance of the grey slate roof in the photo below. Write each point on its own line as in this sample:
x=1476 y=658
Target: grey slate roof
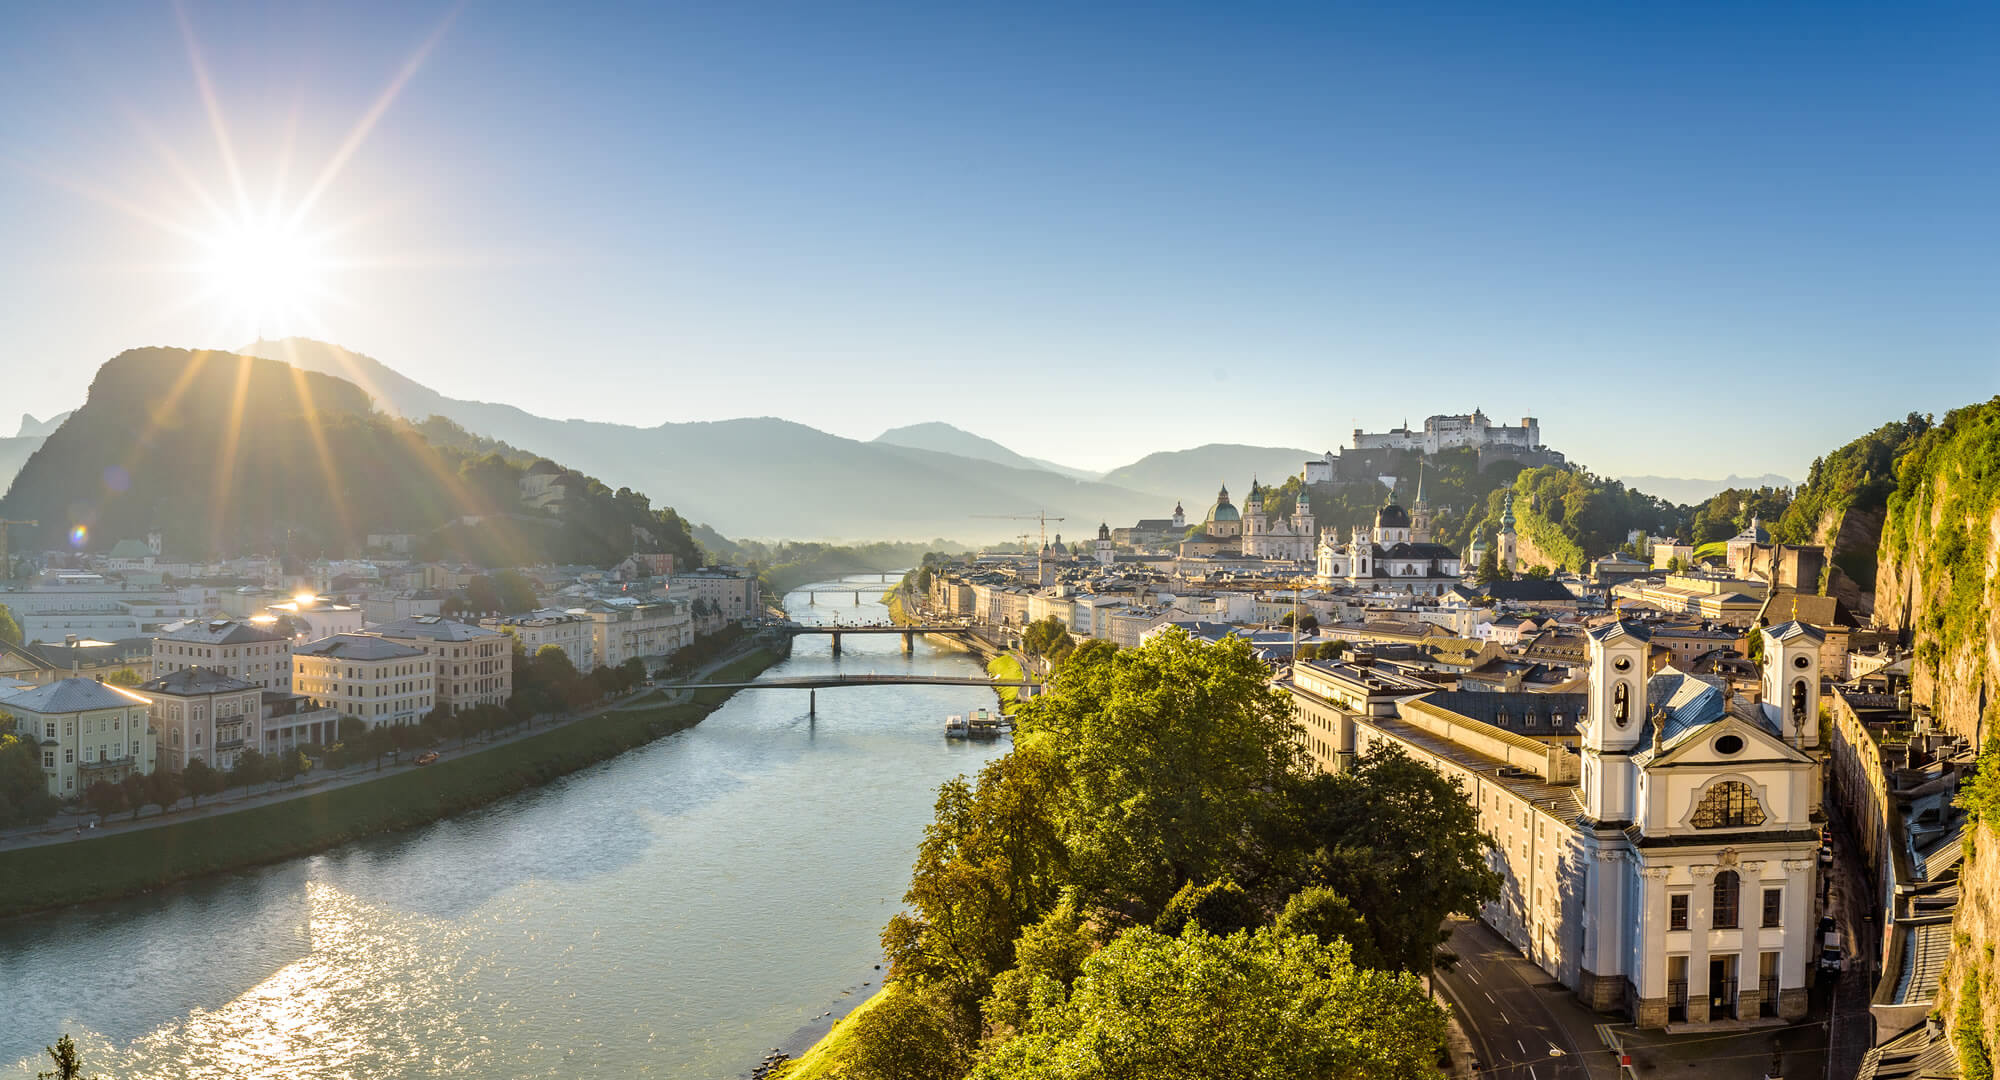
x=1613 y=630
x=195 y=680
x=434 y=627
x=216 y=632
x=74 y=695
x=357 y=647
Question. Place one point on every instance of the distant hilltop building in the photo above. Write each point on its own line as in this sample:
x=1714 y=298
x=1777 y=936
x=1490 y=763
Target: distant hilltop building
x=1373 y=453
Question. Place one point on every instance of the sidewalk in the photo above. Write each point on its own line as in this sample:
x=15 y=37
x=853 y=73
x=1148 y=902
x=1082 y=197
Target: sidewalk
x=64 y=828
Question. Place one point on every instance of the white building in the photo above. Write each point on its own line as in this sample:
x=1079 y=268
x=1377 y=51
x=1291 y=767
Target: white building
x=1656 y=851
x=370 y=678
x=200 y=713
x=621 y=630
x=569 y=631
x=237 y=649
x=1453 y=432
x=1265 y=536
x=88 y=731
x=474 y=665
x=734 y=594
x=1396 y=556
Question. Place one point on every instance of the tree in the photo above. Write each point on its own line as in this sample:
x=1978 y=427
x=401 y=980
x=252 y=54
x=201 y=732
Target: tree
x=104 y=799
x=1047 y=638
x=1251 y=1006
x=250 y=768
x=137 y=792
x=200 y=778
x=69 y=1063
x=124 y=677
x=1400 y=842
x=164 y=788
x=1219 y=907
x=1048 y=957
x=24 y=789
x=1172 y=752
x=10 y=631
x=1319 y=912
x=904 y=1037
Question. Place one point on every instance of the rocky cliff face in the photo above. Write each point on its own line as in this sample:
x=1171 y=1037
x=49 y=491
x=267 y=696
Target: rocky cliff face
x=1936 y=574
x=1969 y=992
x=1852 y=539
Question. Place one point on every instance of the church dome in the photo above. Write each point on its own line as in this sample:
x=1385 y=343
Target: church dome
x=1223 y=510
x=1392 y=517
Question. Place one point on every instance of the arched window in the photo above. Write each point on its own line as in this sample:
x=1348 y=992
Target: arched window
x=1728 y=890
x=1730 y=804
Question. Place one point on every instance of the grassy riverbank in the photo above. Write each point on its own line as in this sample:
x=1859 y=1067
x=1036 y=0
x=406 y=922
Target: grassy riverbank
x=824 y=1060
x=1005 y=666
x=56 y=875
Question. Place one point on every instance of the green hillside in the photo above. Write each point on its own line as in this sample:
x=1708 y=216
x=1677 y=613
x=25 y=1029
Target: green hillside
x=228 y=454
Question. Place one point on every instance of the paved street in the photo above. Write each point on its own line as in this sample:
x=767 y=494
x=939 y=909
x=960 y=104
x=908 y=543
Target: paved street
x=1515 y=1015
x=1853 y=906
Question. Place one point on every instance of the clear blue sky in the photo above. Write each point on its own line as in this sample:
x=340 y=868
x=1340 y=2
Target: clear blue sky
x=1692 y=239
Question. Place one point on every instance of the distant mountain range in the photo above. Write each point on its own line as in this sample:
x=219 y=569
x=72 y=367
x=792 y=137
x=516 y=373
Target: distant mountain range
x=946 y=439
x=1688 y=491
x=764 y=477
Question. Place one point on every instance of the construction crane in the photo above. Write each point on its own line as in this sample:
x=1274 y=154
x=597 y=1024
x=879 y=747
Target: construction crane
x=7 y=566
x=1041 y=516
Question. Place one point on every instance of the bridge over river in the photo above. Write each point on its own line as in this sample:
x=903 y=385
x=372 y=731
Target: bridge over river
x=837 y=631
x=813 y=684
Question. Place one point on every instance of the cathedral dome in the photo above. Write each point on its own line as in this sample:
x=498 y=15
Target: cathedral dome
x=1223 y=510
x=1392 y=517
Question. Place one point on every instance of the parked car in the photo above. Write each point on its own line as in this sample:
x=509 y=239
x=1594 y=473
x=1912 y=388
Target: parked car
x=1826 y=923
x=1831 y=959
x=427 y=757
x=1826 y=855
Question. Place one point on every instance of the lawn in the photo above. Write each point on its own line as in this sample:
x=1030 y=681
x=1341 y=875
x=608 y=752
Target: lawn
x=1005 y=666
x=54 y=875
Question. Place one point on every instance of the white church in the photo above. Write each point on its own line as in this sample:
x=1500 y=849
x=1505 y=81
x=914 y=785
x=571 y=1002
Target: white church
x=1396 y=555
x=1654 y=838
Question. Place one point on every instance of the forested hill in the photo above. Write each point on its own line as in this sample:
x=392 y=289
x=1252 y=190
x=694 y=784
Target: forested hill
x=228 y=454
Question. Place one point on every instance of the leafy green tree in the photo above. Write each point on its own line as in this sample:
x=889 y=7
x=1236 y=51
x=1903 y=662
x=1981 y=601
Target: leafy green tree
x=1172 y=753
x=137 y=792
x=1397 y=839
x=164 y=788
x=104 y=799
x=69 y=1063
x=1220 y=907
x=24 y=789
x=1249 y=1006
x=904 y=1037
x=1048 y=957
x=1317 y=911
x=124 y=677
x=1047 y=638
x=990 y=864
x=200 y=778
x=250 y=768
x=10 y=631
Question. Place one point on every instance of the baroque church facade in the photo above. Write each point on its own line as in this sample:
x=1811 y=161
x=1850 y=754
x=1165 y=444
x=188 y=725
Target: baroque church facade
x=1656 y=846
x=1396 y=555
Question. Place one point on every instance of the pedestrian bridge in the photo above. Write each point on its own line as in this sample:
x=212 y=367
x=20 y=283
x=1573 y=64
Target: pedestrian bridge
x=813 y=684
x=909 y=633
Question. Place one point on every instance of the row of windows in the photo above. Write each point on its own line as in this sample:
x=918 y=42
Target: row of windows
x=1727 y=897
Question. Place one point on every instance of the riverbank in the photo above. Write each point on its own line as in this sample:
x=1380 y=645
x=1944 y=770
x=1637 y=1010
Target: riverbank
x=38 y=878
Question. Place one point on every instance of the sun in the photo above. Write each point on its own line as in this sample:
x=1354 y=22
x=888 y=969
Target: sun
x=262 y=273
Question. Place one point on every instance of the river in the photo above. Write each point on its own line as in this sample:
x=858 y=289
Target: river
x=677 y=911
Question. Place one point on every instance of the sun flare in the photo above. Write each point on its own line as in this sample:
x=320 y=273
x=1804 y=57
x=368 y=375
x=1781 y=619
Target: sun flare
x=262 y=272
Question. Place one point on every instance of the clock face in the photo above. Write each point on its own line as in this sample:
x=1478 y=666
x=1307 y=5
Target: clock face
x=1623 y=663
x=1801 y=662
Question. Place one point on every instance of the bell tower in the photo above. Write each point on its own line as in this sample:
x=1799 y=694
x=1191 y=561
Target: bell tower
x=1103 y=548
x=1791 y=681
x=1614 y=714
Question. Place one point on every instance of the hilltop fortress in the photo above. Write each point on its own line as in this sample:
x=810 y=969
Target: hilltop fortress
x=1375 y=453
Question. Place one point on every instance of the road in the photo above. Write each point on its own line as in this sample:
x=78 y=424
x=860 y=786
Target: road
x=1509 y=1008
x=1852 y=1032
